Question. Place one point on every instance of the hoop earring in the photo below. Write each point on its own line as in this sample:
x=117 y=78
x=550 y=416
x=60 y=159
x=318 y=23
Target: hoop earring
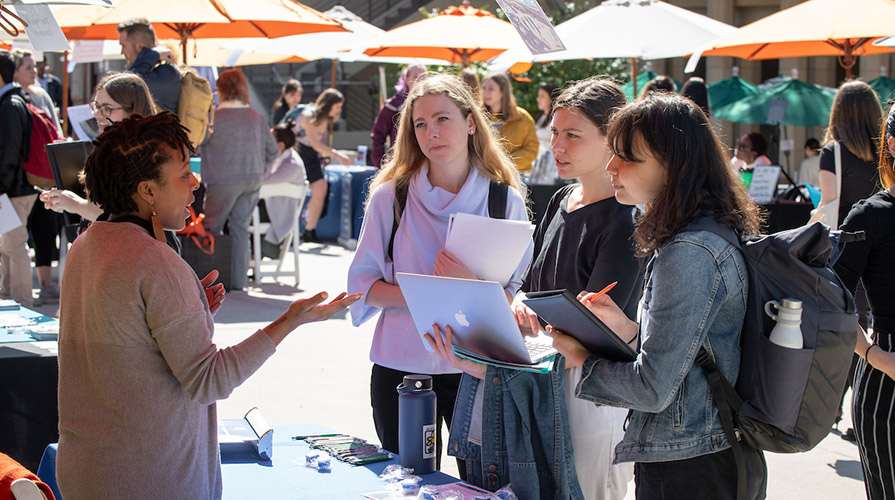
x=157 y=230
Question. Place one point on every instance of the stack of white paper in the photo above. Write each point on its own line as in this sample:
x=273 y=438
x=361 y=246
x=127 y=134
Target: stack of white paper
x=490 y=248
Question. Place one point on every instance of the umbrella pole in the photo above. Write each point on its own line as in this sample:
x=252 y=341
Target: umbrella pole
x=634 y=75
x=65 y=84
x=332 y=81
x=183 y=39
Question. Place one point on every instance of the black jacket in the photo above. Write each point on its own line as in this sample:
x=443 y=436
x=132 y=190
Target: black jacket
x=15 y=141
x=163 y=80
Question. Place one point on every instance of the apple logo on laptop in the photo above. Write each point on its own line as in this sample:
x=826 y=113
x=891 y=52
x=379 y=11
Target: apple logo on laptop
x=461 y=318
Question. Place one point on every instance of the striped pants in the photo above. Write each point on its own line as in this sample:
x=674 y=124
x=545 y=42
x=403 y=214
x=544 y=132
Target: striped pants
x=873 y=409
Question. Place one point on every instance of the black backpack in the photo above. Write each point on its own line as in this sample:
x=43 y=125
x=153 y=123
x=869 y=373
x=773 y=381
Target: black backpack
x=497 y=207
x=786 y=400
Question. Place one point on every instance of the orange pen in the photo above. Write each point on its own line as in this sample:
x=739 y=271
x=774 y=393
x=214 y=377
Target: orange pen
x=603 y=291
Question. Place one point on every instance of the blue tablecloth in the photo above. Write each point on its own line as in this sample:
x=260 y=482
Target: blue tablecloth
x=282 y=477
x=15 y=326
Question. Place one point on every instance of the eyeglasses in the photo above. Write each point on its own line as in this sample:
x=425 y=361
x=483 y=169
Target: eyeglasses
x=103 y=109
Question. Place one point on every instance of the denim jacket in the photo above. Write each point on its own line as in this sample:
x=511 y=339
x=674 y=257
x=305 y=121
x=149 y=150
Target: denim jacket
x=525 y=434
x=695 y=296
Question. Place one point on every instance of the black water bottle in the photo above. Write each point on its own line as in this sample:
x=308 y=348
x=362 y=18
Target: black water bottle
x=416 y=424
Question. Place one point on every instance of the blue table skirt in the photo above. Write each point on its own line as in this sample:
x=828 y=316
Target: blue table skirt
x=282 y=477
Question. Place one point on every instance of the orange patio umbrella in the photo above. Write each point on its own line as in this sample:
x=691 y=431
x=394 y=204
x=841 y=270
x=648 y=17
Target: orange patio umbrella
x=842 y=28
x=457 y=35
x=184 y=19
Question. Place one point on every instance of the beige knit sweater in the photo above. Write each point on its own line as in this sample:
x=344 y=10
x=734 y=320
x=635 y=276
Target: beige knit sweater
x=139 y=373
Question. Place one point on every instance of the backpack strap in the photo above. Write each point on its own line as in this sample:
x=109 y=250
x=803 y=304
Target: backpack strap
x=497 y=208
x=400 y=203
x=728 y=403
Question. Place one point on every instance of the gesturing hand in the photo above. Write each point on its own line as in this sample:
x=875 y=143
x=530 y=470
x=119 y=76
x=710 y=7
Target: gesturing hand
x=214 y=293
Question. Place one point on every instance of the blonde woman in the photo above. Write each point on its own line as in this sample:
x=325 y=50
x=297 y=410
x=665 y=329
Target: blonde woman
x=514 y=125
x=445 y=159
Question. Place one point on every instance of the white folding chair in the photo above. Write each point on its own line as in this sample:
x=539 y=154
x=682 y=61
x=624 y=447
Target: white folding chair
x=287 y=190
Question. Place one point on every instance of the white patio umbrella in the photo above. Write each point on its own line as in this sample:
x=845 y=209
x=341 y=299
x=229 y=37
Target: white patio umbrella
x=335 y=45
x=634 y=29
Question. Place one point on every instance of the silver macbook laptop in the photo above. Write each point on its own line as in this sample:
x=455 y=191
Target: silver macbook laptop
x=477 y=312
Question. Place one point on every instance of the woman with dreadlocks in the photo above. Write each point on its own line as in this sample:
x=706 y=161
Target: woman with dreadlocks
x=139 y=372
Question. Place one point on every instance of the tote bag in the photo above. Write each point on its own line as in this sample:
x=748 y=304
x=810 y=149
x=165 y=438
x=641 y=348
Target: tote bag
x=829 y=213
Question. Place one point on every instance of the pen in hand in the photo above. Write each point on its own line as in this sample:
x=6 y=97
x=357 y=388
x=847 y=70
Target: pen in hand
x=602 y=292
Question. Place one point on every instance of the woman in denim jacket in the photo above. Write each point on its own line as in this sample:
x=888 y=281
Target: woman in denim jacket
x=668 y=159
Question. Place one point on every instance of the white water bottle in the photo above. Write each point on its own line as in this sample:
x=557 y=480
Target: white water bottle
x=788 y=331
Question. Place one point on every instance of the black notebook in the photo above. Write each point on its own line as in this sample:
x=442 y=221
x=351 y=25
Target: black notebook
x=562 y=310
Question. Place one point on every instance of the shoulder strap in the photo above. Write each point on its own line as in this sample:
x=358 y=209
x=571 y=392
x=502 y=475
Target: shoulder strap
x=400 y=203
x=728 y=403
x=497 y=208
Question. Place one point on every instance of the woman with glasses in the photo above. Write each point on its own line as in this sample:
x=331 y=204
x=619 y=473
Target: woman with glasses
x=116 y=97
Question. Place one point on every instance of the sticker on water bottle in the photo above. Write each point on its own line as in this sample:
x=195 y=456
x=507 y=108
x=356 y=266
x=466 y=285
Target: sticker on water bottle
x=429 y=441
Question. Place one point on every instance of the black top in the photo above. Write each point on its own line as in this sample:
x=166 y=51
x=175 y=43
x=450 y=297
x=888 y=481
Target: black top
x=860 y=178
x=874 y=258
x=586 y=250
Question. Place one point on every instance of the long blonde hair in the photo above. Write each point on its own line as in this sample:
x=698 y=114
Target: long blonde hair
x=486 y=154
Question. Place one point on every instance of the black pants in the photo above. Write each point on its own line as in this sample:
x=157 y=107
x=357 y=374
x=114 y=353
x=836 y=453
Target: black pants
x=384 y=398
x=709 y=476
x=44 y=226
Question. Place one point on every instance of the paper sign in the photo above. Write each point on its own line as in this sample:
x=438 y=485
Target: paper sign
x=532 y=25
x=764 y=183
x=83 y=122
x=43 y=31
x=86 y=51
x=777 y=110
x=9 y=219
x=787 y=145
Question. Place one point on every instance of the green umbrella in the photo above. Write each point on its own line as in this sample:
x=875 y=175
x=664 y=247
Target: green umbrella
x=729 y=90
x=807 y=105
x=642 y=79
x=885 y=89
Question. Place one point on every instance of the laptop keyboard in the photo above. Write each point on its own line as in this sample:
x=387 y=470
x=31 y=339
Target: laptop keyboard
x=538 y=349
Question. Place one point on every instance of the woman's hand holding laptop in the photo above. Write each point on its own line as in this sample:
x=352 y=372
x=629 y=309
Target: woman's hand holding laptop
x=441 y=345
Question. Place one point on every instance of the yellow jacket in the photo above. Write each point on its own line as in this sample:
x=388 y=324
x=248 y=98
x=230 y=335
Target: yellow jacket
x=519 y=138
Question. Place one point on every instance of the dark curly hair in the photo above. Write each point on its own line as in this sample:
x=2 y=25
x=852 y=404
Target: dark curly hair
x=128 y=152
x=283 y=133
x=699 y=180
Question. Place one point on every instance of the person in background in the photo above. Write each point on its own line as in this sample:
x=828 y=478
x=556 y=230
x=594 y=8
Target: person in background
x=290 y=96
x=544 y=169
x=471 y=79
x=854 y=125
x=445 y=159
x=139 y=372
x=282 y=211
x=235 y=158
x=871 y=261
x=695 y=90
x=15 y=137
x=43 y=225
x=514 y=125
x=116 y=97
x=312 y=129
x=385 y=127
x=668 y=159
x=50 y=82
x=751 y=151
x=660 y=83
x=137 y=39
x=809 y=169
